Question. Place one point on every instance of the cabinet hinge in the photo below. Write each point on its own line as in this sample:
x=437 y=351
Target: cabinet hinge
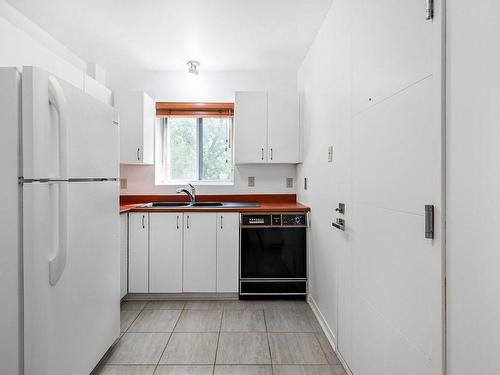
x=429 y=12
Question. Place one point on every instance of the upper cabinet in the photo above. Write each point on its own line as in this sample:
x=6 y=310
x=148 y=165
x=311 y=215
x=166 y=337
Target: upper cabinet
x=283 y=135
x=250 y=127
x=267 y=128
x=137 y=123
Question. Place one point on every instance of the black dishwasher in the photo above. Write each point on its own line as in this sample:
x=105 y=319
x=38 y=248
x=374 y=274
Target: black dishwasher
x=273 y=255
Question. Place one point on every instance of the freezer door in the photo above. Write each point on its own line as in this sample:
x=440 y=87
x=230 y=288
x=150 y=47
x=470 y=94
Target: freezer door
x=66 y=132
x=70 y=321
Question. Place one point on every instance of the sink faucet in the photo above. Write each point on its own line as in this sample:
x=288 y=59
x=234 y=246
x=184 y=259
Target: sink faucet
x=191 y=194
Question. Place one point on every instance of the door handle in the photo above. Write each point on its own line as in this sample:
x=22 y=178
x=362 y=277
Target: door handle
x=143 y=218
x=271 y=153
x=138 y=154
x=187 y=222
x=58 y=263
x=262 y=153
x=177 y=222
x=429 y=221
x=58 y=100
x=221 y=226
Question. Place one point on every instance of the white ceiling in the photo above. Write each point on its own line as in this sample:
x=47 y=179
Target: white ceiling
x=164 y=34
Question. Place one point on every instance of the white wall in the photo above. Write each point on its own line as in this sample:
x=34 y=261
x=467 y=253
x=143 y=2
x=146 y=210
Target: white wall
x=473 y=187
x=324 y=81
x=207 y=87
x=24 y=43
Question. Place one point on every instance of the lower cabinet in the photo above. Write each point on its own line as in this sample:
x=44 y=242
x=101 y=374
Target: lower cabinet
x=165 y=252
x=123 y=255
x=228 y=251
x=183 y=252
x=200 y=252
x=138 y=249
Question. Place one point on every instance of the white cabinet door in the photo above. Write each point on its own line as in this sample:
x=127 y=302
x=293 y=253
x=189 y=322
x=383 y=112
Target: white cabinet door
x=138 y=253
x=283 y=127
x=228 y=248
x=149 y=121
x=200 y=241
x=165 y=252
x=123 y=254
x=137 y=120
x=250 y=127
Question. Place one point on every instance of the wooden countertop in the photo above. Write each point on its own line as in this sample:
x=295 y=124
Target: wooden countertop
x=268 y=203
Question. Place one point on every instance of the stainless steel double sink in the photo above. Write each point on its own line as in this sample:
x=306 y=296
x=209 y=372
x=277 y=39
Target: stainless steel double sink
x=160 y=205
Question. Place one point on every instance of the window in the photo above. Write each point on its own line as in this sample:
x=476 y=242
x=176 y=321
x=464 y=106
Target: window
x=194 y=149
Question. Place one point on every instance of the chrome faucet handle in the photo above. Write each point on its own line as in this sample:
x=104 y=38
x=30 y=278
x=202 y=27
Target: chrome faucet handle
x=193 y=190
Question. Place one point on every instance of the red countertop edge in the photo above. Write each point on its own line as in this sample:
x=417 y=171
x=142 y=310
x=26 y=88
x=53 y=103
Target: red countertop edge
x=268 y=203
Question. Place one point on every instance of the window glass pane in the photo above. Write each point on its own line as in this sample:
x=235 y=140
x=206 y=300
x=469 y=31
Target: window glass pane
x=182 y=149
x=216 y=163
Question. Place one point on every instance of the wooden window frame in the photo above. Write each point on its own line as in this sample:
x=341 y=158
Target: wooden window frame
x=198 y=109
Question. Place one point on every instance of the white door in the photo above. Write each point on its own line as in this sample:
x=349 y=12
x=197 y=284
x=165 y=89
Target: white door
x=250 y=127
x=123 y=255
x=228 y=249
x=396 y=153
x=66 y=132
x=70 y=322
x=200 y=253
x=165 y=252
x=138 y=249
x=283 y=127
x=394 y=46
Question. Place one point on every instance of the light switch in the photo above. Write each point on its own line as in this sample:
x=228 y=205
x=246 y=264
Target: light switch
x=123 y=183
x=251 y=181
x=289 y=182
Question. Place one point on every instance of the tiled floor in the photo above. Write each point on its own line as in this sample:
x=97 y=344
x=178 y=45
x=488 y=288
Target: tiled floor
x=220 y=338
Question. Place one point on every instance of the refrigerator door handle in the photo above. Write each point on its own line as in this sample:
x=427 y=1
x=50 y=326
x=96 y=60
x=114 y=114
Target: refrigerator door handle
x=58 y=263
x=58 y=100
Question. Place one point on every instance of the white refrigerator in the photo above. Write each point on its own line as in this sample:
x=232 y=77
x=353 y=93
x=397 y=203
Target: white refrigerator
x=59 y=226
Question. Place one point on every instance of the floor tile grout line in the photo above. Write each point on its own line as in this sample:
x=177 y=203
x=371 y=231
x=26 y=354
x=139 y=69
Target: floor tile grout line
x=168 y=341
x=218 y=339
x=268 y=343
x=131 y=324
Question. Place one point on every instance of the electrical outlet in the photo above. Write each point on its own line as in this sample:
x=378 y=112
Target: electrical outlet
x=330 y=154
x=305 y=183
x=123 y=183
x=251 y=181
x=289 y=182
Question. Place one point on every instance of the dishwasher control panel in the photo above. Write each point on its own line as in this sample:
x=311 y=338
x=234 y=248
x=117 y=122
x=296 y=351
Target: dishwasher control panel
x=274 y=220
x=293 y=219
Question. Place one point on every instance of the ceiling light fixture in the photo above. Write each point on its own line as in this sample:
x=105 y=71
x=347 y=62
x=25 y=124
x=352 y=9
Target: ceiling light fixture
x=193 y=67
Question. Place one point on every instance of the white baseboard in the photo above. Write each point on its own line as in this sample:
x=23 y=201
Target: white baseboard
x=328 y=332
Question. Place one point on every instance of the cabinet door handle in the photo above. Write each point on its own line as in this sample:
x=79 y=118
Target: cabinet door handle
x=262 y=153
x=138 y=154
x=221 y=226
x=143 y=218
x=271 y=153
x=177 y=222
x=187 y=222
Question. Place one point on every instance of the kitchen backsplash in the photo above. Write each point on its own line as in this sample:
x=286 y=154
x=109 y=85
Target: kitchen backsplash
x=269 y=179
